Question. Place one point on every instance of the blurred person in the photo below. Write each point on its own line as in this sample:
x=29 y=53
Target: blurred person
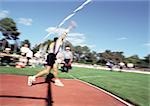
x=68 y=59
x=110 y=65
x=26 y=53
x=22 y=62
x=51 y=62
x=121 y=65
x=29 y=55
x=24 y=49
x=130 y=65
x=6 y=59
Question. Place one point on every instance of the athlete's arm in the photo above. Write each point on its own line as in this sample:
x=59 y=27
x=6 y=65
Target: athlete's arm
x=62 y=37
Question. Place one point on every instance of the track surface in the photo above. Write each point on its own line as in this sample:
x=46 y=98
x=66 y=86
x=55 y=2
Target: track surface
x=15 y=92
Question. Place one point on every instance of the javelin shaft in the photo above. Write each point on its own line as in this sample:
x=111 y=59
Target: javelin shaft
x=68 y=17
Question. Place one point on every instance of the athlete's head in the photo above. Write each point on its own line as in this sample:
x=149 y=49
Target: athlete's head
x=55 y=39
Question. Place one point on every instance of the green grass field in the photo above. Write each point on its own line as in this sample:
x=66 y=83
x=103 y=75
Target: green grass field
x=132 y=87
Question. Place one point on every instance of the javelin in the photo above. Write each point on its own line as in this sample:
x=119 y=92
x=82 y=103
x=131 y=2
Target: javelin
x=69 y=16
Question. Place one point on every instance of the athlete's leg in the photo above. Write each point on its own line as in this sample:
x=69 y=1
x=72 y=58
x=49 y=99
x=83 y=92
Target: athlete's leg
x=55 y=70
x=39 y=74
x=57 y=80
x=43 y=72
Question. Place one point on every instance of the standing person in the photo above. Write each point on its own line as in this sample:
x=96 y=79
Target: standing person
x=110 y=65
x=26 y=53
x=24 y=49
x=121 y=65
x=50 y=62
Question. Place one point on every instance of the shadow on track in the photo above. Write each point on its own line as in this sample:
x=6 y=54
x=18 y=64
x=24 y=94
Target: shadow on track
x=48 y=98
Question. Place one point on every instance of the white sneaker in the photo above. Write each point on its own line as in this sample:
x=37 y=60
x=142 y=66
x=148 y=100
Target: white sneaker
x=30 y=80
x=58 y=83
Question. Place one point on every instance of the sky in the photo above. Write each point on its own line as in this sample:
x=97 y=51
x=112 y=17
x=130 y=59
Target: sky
x=116 y=25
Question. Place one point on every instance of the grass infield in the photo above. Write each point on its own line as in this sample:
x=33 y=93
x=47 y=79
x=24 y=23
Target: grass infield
x=132 y=87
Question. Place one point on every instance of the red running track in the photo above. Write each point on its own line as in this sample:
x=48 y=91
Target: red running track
x=15 y=92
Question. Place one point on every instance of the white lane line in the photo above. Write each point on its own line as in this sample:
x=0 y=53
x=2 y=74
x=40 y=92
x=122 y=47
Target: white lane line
x=108 y=93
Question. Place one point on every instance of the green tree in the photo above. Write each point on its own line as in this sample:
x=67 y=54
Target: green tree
x=9 y=30
x=81 y=53
x=91 y=57
x=144 y=63
x=147 y=58
x=78 y=53
x=116 y=57
x=133 y=59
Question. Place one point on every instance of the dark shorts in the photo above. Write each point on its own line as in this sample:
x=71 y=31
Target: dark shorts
x=67 y=60
x=67 y=63
x=51 y=57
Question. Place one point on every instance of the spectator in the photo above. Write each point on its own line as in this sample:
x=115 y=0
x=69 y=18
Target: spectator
x=6 y=59
x=110 y=65
x=24 y=50
x=121 y=65
x=68 y=59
